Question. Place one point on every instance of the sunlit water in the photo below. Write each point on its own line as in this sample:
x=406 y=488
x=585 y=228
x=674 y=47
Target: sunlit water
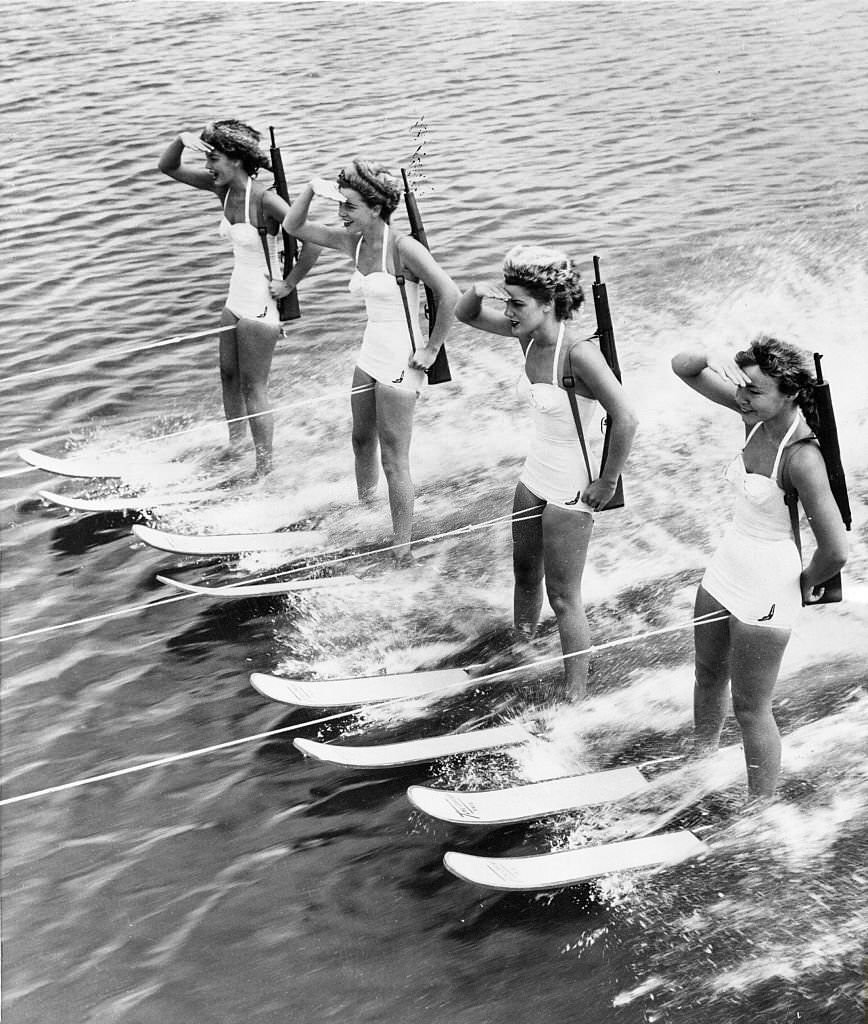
x=711 y=156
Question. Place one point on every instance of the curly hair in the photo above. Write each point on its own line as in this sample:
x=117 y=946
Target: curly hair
x=238 y=141
x=789 y=365
x=548 y=274
x=375 y=184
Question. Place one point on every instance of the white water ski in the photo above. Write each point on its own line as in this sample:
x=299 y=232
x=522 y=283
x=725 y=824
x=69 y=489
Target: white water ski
x=98 y=466
x=242 y=590
x=569 y=867
x=392 y=755
x=342 y=693
x=119 y=503
x=532 y=800
x=228 y=543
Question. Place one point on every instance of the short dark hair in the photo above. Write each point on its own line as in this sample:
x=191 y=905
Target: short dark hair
x=789 y=365
x=238 y=141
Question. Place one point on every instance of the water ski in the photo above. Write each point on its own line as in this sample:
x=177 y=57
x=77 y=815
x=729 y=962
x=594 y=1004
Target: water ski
x=99 y=466
x=228 y=543
x=119 y=503
x=570 y=867
x=393 y=755
x=342 y=693
x=528 y=801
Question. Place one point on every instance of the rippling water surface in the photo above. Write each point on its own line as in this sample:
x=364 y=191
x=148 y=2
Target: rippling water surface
x=712 y=156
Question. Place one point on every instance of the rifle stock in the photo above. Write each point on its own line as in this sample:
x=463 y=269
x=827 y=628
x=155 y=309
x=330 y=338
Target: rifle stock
x=288 y=306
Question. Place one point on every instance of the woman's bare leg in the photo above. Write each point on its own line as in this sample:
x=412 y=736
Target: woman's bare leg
x=366 y=444
x=566 y=536
x=395 y=408
x=256 y=342
x=712 y=642
x=757 y=653
x=230 y=380
x=527 y=559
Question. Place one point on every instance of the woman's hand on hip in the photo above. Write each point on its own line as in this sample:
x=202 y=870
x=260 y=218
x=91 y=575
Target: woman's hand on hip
x=423 y=358
x=598 y=493
x=279 y=289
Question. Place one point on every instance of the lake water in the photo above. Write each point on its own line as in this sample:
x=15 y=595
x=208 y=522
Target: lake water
x=713 y=156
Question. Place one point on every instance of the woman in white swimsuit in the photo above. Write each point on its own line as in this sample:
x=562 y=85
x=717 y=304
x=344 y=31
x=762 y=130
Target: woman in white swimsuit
x=756 y=574
x=233 y=157
x=541 y=292
x=389 y=373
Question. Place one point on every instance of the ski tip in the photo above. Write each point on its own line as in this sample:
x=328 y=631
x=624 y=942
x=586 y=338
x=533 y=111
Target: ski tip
x=52 y=498
x=310 y=748
x=416 y=796
x=442 y=805
x=268 y=685
x=170 y=582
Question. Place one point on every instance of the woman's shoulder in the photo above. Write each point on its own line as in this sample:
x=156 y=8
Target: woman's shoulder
x=802 y=461
x=265 y=198
x=404 y=249
x=404 y=245
x=581 y=345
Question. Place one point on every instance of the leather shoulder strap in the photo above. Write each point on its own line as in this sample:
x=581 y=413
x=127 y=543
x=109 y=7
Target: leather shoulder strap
x=569 y=382
x=263 y=231
x=399 y=277
x=791 y=495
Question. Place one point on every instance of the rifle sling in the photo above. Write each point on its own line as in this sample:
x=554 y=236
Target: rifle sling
x=399 y=277
x=569 y=382
x=263 y=234
x=791 y=495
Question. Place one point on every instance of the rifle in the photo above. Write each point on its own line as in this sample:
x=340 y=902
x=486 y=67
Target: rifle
x=827 y=435
x=438 y=372
x=826 y=432
x=606 y=336
x=605 y=331
x=287 y=307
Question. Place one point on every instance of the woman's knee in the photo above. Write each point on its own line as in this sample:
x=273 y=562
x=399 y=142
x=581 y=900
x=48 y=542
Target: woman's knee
x=394 y=456
x=711 y=673
x=364 y=441
x=565 y=601
x=528 y=573
x=753 y=718
x=253 y=386
x=229 y=375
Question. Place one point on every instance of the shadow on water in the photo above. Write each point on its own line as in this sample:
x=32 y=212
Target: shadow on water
x=245 y=621
x=582 y=906
x=85 y=533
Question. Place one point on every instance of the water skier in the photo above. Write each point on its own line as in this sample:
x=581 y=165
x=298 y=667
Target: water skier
x=756 y=574
x=542 y=291
x=390 y=368
x=233 y=158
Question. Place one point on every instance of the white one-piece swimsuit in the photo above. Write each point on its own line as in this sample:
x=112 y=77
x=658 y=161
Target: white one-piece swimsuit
x=555 y=468
x=755 y=571
x=249 y=296
x=386 y=347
